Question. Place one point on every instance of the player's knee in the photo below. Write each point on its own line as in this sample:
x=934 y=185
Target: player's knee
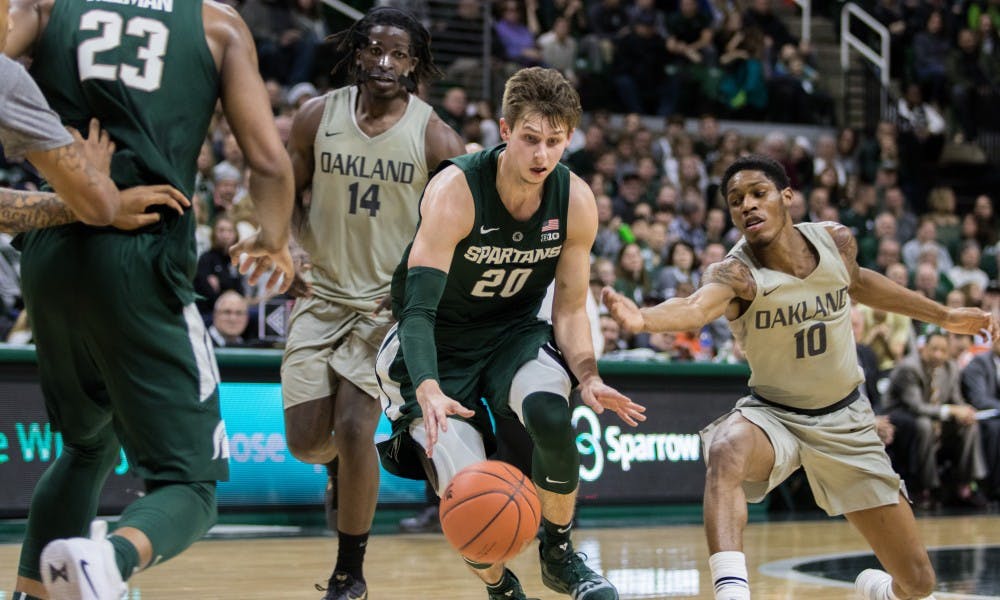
x=916 y=581
x=728 y=457
x=354 y=431
x=547 y=419
x=307 y=447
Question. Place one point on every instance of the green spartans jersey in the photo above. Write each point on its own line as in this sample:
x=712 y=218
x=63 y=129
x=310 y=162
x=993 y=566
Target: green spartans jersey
x=365 y=200
x=797 y=333
x=500 y=271
x=144 y=69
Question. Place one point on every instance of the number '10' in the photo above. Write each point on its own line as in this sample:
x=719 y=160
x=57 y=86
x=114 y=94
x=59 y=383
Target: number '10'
x=810 y=342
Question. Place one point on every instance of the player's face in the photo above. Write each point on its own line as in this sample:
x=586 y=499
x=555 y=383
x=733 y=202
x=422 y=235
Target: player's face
x=758 y=208
x=534 y=145
x=385 y=59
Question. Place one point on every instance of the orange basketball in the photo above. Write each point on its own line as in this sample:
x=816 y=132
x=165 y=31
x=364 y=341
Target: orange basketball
x=489 y=511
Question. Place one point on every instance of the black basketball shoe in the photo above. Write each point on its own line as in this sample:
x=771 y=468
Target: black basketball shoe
x=564 y=571
x=343 y=586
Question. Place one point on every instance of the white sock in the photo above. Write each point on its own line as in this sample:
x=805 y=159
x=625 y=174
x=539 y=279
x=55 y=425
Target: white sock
x=729 y=575
x=873 y=584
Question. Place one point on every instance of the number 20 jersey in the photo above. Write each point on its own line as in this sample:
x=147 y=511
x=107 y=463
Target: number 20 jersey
x=797 y=333
x=145 y=70
x=500 y=272
x=365 y=199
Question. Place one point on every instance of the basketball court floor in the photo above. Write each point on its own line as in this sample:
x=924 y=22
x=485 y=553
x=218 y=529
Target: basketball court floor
x=813 y=559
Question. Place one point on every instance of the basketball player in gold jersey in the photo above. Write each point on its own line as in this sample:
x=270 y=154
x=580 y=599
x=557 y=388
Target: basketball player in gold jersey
x=366 y=150
x=786 y=290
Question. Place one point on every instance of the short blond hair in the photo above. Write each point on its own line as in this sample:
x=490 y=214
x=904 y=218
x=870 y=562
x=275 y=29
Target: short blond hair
x=541 y=91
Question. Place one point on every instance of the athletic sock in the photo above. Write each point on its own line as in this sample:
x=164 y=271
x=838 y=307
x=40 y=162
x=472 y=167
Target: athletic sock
x=23 y=596
x=351 y=554
x=126 y=556
x=555 y=538
x=506 y=583
x=729 y=575
x=873 y=584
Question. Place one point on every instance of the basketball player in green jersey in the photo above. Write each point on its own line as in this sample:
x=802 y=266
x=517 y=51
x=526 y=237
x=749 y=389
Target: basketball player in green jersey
x=366 y=150
x=786 y=290
x=123 y=355
x=75 y=168
x=497 y=227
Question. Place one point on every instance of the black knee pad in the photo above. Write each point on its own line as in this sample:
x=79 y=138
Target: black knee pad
x=556 y=461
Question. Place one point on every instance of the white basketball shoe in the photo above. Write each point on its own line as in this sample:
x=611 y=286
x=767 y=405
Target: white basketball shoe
x=83 y=568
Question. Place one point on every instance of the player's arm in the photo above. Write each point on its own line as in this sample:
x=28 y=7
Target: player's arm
x=725 y=286
x=878 y=291
x=248 y=111
x=301 y=150
x=570 y=322
x=301 y=146
x=441 y=142
x=446 y=216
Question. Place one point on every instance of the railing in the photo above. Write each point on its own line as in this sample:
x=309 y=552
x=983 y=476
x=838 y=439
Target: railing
x=344 y=8
x=806 y=6
x=848 y=40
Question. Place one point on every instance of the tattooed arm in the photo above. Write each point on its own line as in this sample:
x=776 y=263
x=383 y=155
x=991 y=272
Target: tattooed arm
x=21 y=211
x=727 y=287
x=78 y=174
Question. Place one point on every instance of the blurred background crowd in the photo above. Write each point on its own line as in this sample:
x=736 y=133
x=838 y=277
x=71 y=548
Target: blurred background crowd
x=673 y=91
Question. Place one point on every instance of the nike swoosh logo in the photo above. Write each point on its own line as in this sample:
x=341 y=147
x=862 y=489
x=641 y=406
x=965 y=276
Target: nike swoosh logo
x=83 y=567
x=332 y=133
x=771 y=291
x=483 y=231
x=563 y=529
x=550 y=480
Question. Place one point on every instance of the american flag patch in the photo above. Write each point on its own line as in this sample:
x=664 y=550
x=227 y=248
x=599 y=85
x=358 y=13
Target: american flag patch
x=550 y=225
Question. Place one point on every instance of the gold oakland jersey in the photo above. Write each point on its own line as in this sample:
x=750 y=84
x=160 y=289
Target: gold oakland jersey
x=365 y=200
x=797 y=332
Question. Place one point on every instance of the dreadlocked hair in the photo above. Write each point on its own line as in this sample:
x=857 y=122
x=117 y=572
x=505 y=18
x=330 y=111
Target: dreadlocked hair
x=353 y=39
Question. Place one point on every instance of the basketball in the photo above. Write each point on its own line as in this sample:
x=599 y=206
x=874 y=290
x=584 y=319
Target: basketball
x=489 y=511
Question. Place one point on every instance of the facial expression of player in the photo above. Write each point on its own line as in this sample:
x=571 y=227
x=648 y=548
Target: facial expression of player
x=385 y=59
x=757 y=207
x=534 y=146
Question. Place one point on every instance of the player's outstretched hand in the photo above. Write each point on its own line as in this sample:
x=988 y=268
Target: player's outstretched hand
x=135 y=201
x=623 y=310
x=972 y=321
x=255 y=257
x=600 y=396
x=436 y=407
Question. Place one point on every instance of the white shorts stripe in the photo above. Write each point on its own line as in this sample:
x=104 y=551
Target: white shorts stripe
x=204 y=356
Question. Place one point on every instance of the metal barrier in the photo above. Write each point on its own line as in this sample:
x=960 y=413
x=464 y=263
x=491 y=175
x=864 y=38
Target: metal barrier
x=848 y=41
x=806 y=6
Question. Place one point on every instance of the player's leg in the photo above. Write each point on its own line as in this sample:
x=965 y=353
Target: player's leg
x=892 y=533
x=356 y=415
x=539 y=396
x=458 y=447
x=741 y=462
x=308 y=385
x=64 y=502
x=355 y=419
x=65 y=499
